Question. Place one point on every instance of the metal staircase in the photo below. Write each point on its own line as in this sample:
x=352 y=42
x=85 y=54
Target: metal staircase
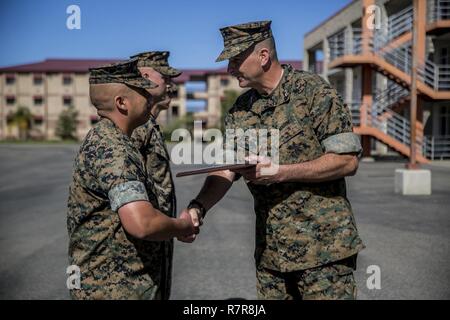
x=400 y=22
x=390 y=54
x=435 y=77
x=388 y=127
x=392 y=97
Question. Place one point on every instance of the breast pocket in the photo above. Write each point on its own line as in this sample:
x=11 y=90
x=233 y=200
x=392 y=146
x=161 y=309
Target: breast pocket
x=289 y=132
x=298 y=144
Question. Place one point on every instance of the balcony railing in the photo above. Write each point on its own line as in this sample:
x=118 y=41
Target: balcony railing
x=385 y=120
x=354 y=107
x=341 y=44
x=398 y=127
x=357 y=41
x=436 y=147
x=434 y=75
x=438 y=10
x=338 y=45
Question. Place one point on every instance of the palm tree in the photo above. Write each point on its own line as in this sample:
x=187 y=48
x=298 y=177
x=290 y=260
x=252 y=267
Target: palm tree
x=22 y=119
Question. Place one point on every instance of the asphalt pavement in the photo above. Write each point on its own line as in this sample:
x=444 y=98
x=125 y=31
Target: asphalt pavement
x=408 y=238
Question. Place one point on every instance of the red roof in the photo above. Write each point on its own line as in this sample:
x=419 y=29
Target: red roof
x=190 y=74
x=59 y=65
x=82 y=65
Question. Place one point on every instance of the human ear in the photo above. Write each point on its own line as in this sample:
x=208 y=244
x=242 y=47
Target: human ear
x=119 y=103
x=264 y=56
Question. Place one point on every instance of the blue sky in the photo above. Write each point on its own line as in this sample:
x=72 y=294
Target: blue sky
x=34 y=30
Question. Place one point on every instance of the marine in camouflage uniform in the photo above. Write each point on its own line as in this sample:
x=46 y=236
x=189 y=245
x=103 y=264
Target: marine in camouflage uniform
x=306 y=237
x=109 y=172
x=150 y=142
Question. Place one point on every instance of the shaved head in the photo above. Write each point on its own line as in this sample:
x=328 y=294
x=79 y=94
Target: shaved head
x=102 y=95
x=268 y=44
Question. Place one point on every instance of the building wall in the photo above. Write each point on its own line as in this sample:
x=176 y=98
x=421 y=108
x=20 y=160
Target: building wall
x=53 y=90
x=178 y=104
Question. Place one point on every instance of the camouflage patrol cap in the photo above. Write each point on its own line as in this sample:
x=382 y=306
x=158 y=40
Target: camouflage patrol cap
x=240 y=37
x=125 y=72
x=157 y=60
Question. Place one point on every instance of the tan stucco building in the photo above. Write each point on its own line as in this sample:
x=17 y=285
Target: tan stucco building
x=48 y=87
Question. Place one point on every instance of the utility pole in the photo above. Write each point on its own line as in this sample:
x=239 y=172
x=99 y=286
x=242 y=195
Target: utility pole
x=412 y=180
x=413 y=110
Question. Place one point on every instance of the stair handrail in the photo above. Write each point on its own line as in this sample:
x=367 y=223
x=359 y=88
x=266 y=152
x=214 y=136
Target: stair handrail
x=400 y=22
x=387 y=97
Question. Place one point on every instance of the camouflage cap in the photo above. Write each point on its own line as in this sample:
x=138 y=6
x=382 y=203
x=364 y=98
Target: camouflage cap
x=157 y=60
x=125 y=72
x=240 y=37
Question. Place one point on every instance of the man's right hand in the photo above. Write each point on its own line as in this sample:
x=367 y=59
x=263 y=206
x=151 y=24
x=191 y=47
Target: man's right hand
x=192 y=226
x=196 y=216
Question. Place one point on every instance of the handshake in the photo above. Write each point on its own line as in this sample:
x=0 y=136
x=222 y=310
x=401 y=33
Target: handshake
x=192 y=219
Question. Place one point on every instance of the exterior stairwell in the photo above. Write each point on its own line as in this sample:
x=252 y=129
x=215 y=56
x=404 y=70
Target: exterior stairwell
x=387 y=127
x=394 y=98
x=388 y=52
x=395 y=64
x=400 y=24
x=391 y=60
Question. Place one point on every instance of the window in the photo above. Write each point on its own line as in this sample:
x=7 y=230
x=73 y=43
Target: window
x=38 y=100
x=38 y=121
x=37 y=80
x=175 y=111
x=67 y=101
x=224 y=82
x=67 y=80
x=10 y=79
x=10 y=100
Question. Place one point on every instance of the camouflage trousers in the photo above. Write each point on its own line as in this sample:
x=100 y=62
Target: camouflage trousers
x=334 y=281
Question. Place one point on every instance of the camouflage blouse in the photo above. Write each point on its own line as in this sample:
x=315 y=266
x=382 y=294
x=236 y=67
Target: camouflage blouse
x=108 y=173
x=301 y=225
x=150 y=142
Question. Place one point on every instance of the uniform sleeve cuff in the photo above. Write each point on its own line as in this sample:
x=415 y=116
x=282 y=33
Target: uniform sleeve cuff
x=347 y=142
x=127 y=192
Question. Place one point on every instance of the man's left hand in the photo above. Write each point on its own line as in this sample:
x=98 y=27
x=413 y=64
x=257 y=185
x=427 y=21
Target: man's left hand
x=262 y=173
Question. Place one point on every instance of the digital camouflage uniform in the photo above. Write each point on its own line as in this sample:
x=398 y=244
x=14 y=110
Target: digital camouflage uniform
x=306 y=237
x=150 y=142
x=109 y=172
